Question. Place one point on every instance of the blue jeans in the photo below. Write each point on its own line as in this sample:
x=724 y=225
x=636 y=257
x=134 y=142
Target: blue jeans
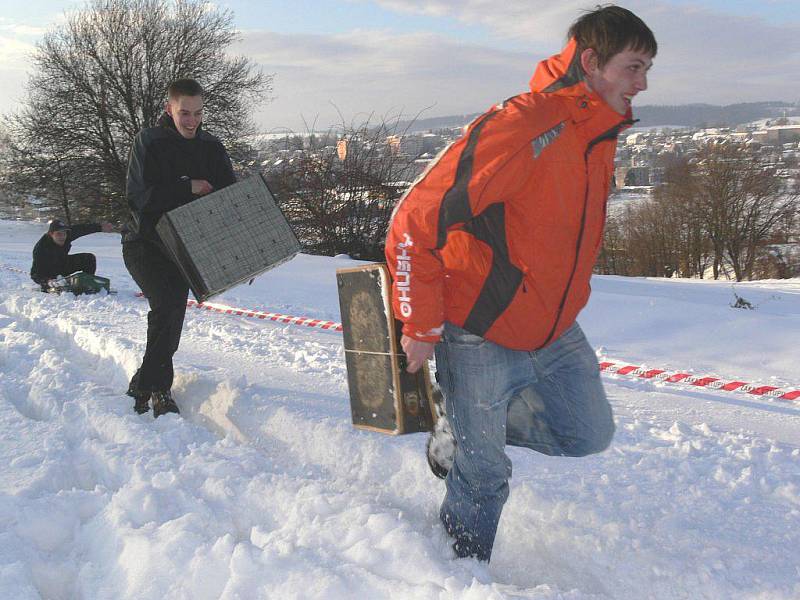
x=550 y=400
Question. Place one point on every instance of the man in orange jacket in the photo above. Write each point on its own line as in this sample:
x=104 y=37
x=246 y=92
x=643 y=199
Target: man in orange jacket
x=491 y=252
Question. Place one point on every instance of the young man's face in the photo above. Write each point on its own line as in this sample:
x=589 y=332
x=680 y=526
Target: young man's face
x=620 y=79
x=59 y=237
x=187 y=112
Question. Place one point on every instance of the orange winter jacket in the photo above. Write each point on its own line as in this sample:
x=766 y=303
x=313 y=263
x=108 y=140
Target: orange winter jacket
x=500 y=235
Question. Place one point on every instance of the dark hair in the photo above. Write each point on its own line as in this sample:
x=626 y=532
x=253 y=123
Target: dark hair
x=184 y=87
x=609 y=30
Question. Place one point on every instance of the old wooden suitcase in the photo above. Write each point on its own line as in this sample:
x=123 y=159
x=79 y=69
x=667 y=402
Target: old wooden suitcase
x=227 y=237
x=383 y=396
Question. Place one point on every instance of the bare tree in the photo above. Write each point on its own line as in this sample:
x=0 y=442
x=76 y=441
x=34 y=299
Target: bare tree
x=721 y=209
x=677 y=196
x=613 y=258
x=743 y=202
x=101 y=76
x=339 y=189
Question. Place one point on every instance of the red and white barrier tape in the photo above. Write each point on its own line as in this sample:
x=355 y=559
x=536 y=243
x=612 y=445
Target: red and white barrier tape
x=7 y=268
x=258 y=314
x=659 y=375
x=710 y=382
x=609 y=367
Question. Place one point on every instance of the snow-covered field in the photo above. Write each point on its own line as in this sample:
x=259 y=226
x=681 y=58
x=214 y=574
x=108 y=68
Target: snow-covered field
x=622 y=198
x=262 y=489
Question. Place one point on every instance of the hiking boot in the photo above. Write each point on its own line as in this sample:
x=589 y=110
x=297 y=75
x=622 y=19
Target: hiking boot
x=441 y=447
x=140 y=397
x=464 y=544
x=141 y=405
x=163 y=403
x=465 y=548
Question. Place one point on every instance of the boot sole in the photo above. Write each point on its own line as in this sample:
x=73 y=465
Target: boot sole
x=435 y=467
x=157 y=412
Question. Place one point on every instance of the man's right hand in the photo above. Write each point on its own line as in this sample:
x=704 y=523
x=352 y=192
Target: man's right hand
x=200 y=187
x=417 y=352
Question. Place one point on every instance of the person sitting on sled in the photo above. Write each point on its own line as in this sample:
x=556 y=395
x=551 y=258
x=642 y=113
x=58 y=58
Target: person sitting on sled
x=51 y=257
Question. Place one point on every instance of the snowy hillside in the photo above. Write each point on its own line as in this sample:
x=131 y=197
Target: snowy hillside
x=263 y=489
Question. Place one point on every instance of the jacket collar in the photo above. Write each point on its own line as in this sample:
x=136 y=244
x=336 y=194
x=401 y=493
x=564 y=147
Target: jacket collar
x=562 y=75
x=167 y=122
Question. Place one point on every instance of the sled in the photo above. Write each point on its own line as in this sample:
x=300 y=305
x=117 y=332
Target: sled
x=81 y=283
x=227 y=237
x=384 y=397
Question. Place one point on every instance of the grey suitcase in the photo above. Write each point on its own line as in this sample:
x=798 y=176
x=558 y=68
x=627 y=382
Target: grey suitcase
x=227 y=237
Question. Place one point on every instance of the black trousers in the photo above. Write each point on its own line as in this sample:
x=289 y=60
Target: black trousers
x=75 y=262
x=81 y=262
x=166 y=290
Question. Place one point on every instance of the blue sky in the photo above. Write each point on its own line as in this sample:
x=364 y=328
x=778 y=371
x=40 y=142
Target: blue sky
x=386 y=57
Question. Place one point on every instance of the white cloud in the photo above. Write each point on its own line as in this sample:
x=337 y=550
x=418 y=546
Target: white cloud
x=704 y=55
x=14 y=53
x=537 y=22
x=20 y=30
x=375 y=71
x=712 y=57
x=16 y=43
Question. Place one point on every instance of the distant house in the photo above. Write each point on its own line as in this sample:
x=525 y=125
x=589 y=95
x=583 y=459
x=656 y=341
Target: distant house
x=410 y=145
x=782 y=134
x=634 y=138
x=632 y=176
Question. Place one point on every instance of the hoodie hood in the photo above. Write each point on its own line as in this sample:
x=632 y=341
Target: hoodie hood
x=560 y=72
x=563 y=75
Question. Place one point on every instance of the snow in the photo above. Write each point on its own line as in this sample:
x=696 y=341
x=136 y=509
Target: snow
x=263 y=489
x=622 y=198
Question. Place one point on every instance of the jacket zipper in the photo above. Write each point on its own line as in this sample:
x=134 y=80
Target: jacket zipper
x=608 y=135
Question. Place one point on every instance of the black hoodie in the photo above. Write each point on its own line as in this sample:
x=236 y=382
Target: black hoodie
x=162 y=165
x=50 y=259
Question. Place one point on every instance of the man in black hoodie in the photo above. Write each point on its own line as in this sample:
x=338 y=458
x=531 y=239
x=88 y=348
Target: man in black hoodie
x=170 y=165
x=51 y=257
